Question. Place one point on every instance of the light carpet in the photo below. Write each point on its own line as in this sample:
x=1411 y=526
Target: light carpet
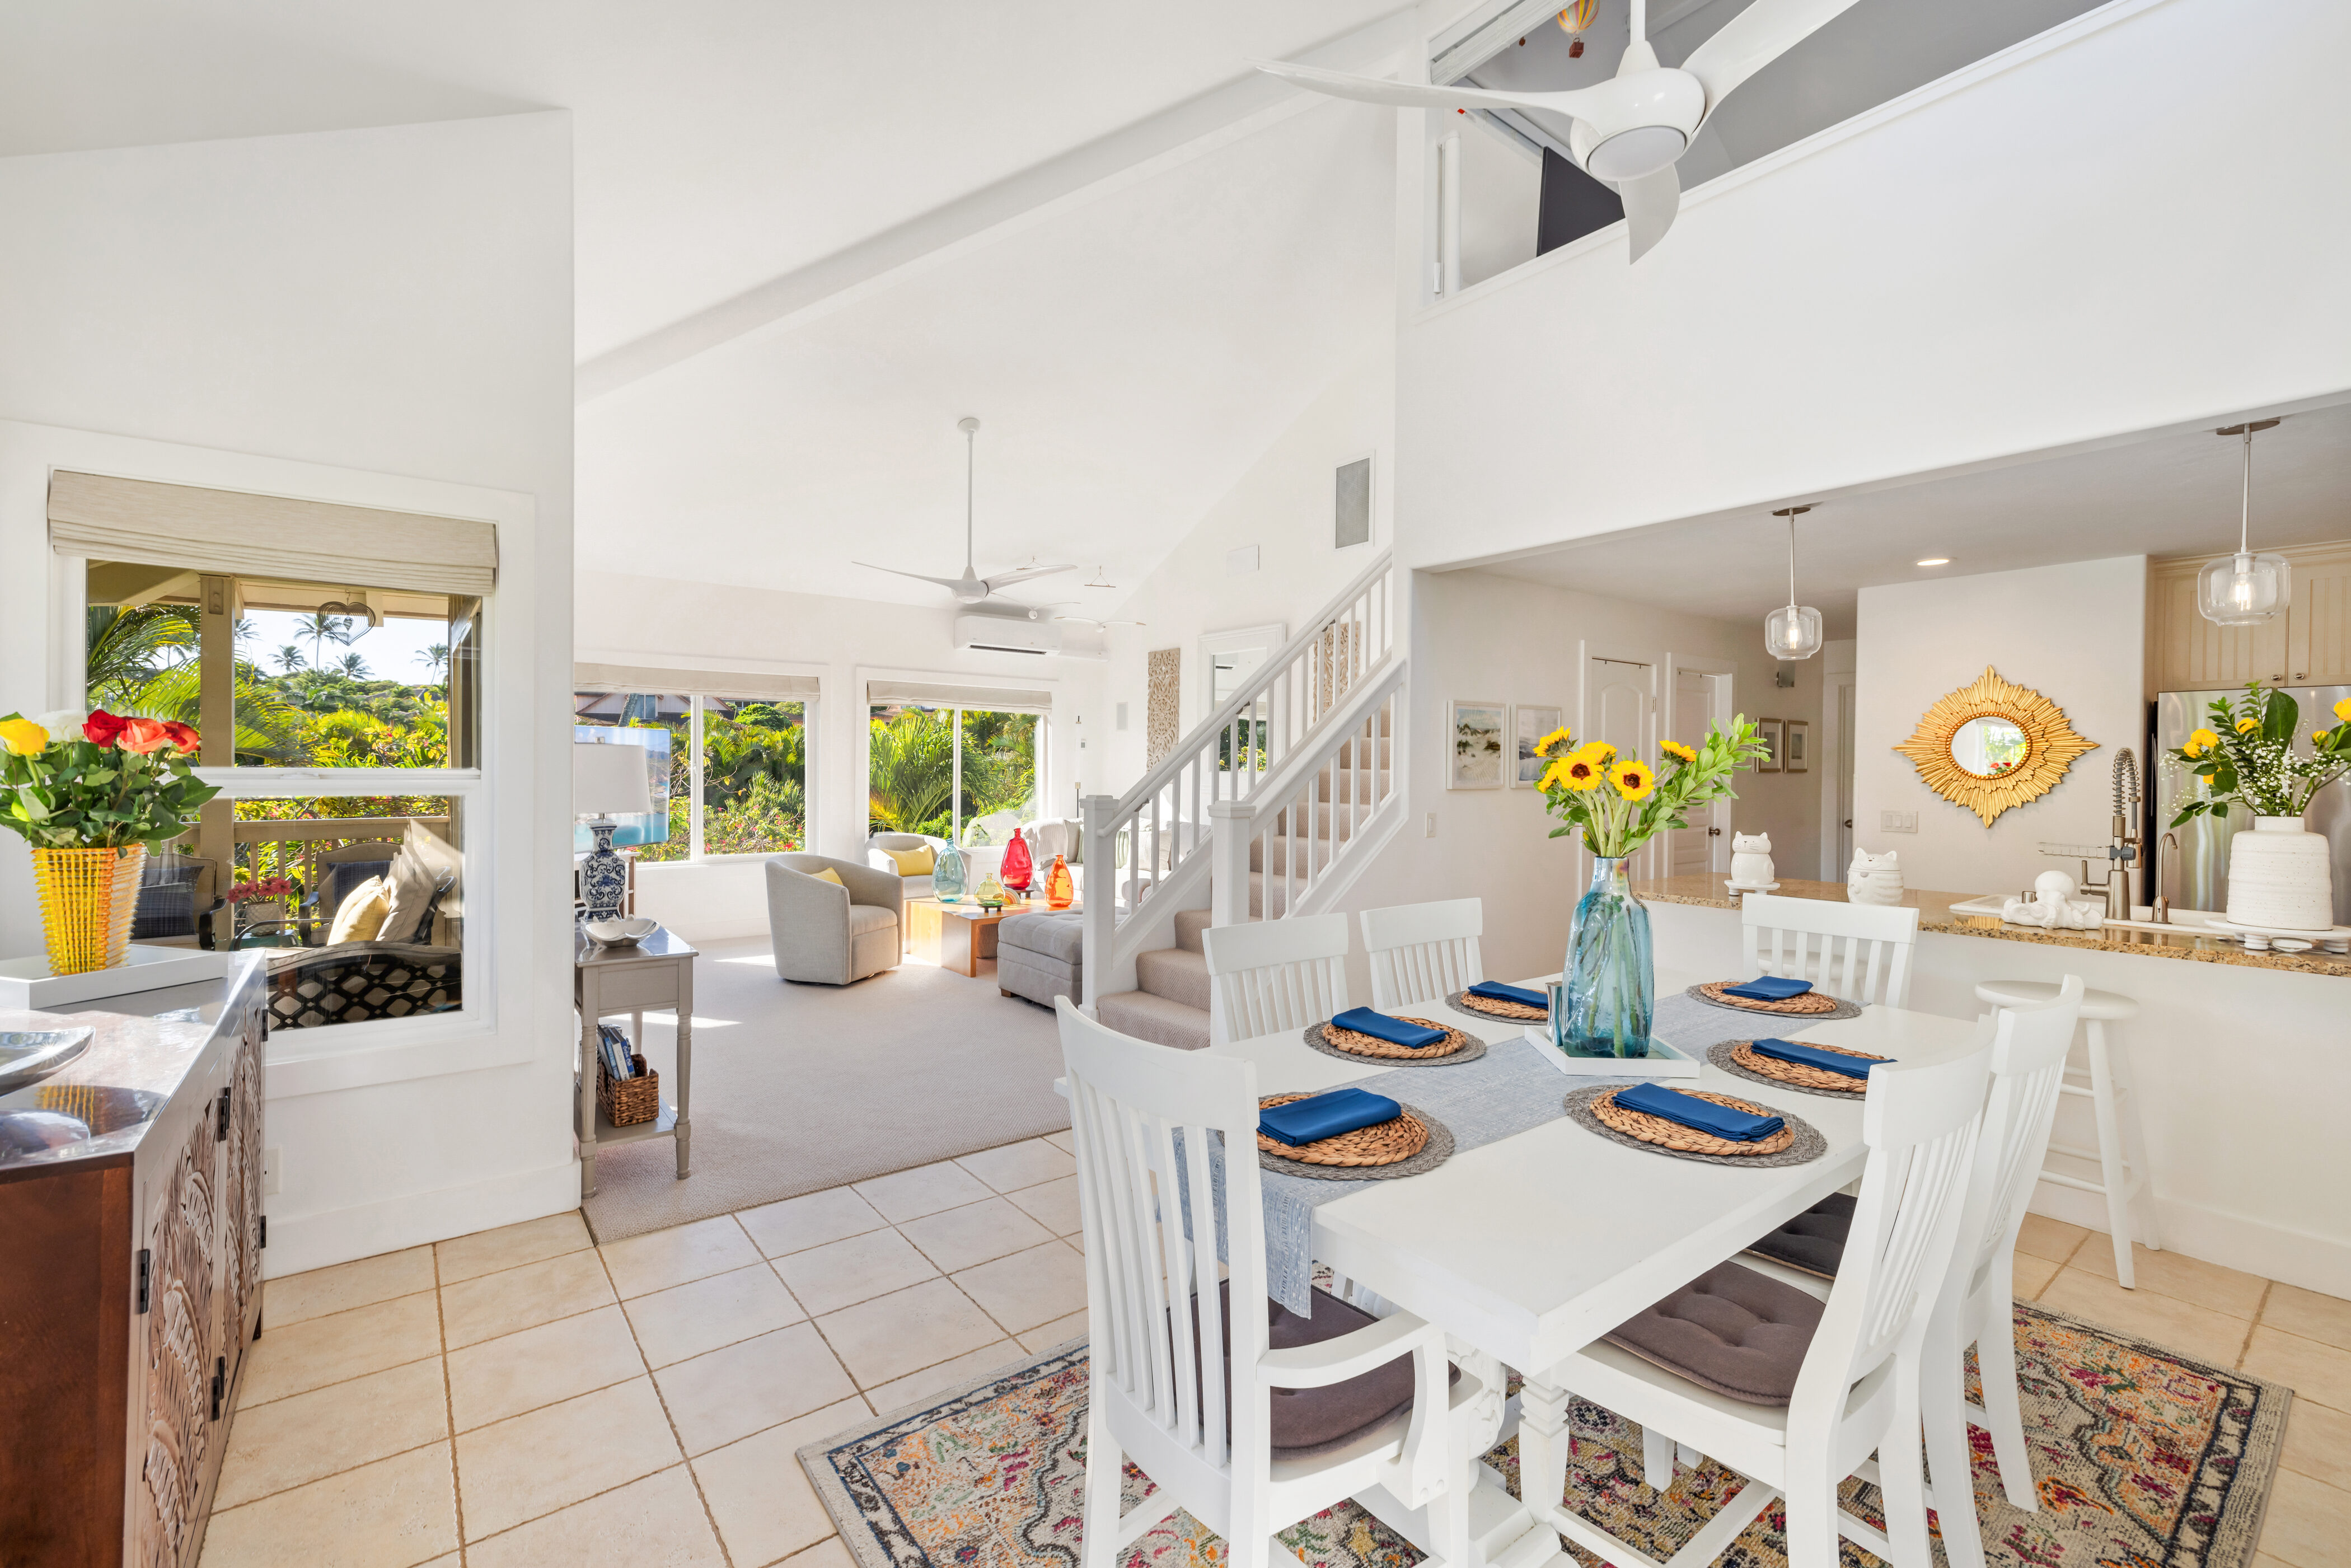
x=2144 y=1458
x=799 y=1087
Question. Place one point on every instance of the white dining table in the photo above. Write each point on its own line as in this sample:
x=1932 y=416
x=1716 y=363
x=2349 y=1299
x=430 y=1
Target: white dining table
x=1532 y=1247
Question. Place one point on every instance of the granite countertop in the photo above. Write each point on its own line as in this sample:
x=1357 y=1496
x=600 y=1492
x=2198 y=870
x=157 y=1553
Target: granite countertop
x=1935 y=914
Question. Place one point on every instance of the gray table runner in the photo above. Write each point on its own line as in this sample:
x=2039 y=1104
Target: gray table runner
x=1510 y=1091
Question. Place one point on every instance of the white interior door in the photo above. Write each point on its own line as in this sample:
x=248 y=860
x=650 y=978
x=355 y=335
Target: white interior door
x=1620 y=706
x=1704 y=847
x=1843 y=694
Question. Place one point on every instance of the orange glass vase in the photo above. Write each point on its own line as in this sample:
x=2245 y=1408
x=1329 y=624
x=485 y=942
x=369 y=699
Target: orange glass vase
x=1060 y=888
x=88 y=897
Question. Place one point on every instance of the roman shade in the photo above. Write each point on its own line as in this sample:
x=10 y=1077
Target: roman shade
x=706 y=682
x=992 y=699
x=272 y=537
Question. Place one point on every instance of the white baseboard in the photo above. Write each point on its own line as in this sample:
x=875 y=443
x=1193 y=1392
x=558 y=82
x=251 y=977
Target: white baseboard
x=2231 y=1241
x=300 y=1242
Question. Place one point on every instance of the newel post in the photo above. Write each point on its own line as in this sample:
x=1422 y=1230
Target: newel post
x=1229 y=861
x=1099 y=849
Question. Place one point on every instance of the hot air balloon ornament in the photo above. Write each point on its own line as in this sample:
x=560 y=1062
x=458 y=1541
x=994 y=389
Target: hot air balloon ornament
x=1573 y=21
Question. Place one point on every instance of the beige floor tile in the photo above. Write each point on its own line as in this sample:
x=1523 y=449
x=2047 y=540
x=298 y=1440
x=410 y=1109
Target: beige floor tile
x=884 y=1339
x=1029 y=1288
x=1065 y=1142
x=289 y=1443
x=2177 y=1275
x=2051 y=1239
x=2318 y=1443
x=2198 y=1332
x=1060 y=1330
x=933 y=1381
x=2326 y=1319
x=1016 y=1165
x=660 y=1259
x=926 y=1189
x=362 y=1283
x=511 y=1246
x=958 y=1238
x=2314 y=1370
x=763 y=1503
x=513 y=1299
x=1053 y=1204
x=729 y=1394
x=687 y=1320
x=395 y=1513
x=544 y=1365
x=798 y=1224
x=533 y=1464
x=2303 y=1526
x=826 y=1278
x=826 y=1553
x=311 y=1354
x=2033 y=1274
x=658 y=1520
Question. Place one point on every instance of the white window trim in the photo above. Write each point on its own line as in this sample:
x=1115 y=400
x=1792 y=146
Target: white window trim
x=695 y=686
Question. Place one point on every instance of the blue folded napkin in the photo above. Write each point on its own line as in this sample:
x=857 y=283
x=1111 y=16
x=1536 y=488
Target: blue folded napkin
x=1364 y=1020
x=1326 y=1116
x=1769 y=988
x=1703 y=1115
x=1805 y=1055
x=1502 y=993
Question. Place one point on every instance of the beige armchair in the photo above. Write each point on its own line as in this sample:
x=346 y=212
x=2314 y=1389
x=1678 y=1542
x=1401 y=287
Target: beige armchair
x=829 y=935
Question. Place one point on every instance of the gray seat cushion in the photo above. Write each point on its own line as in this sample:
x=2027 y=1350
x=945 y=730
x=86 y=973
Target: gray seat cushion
x=1061 y=938
x=1742 y=1333
x=864 y=918
x=1314 y=1420
x=1812 y=1242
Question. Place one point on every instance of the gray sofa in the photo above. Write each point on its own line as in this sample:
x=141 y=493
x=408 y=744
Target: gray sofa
x=1042 y=957
x=916 y=886
x=829 y=935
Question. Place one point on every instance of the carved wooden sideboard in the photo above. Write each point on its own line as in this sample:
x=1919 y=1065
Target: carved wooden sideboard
x=131 y=1289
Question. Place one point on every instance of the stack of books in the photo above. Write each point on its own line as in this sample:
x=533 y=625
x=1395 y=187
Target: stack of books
x=612 y=1044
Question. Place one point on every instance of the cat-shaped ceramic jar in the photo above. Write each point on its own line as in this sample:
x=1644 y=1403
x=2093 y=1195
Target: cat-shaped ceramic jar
x=1751 y=859
x=1874 y=879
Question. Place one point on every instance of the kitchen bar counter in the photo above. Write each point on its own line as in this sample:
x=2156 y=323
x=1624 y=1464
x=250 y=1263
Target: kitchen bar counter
x=1935 y=914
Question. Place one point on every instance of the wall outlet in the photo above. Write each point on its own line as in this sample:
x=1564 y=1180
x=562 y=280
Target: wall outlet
x=1121 y=723
x=1898 y=821
x=272 y=1162
x=1429 y=832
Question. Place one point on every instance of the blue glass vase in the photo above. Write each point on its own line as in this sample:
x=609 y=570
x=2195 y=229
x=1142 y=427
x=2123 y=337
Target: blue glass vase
x=1610 y=978
x=947 y=875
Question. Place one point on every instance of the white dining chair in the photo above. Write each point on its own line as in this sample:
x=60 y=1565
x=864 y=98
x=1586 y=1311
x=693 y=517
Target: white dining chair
x=1308 y=1410
x=1792 y=1392
x=1267 y=976
x=1424 y=952
x=1860 y=952
x=1976 y=1304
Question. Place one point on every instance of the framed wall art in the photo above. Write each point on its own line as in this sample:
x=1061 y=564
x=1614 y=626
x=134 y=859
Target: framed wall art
x=1480 y=735
x=1530 y=722
x=1797 y=733
x=1774 y=736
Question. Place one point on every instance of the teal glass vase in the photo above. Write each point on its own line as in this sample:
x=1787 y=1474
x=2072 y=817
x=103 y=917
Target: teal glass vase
x=1610 y=977
x=947 y=875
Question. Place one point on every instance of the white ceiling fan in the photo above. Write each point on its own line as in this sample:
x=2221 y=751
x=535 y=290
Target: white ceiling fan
x=1630 y=129
x=971 y=588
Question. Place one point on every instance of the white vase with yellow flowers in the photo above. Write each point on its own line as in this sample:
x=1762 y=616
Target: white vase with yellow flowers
x=1615 y=804
x=2281 y=877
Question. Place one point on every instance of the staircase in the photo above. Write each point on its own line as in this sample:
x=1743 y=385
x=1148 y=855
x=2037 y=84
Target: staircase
x=1271 y=808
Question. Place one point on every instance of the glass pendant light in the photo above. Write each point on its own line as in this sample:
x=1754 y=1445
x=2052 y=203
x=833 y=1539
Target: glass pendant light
x=2245 y=588
x=1792 y=631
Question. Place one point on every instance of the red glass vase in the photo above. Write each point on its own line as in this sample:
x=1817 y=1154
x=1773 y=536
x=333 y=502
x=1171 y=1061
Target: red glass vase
x=1059 y=889
x=1017 y=865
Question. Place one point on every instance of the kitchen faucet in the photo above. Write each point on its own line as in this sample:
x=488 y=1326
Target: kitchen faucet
x=2121 y=852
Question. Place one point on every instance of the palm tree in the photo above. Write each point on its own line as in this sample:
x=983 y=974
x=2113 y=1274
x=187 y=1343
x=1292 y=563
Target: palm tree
x=128 y=647
x=355 y=666
x=436 y=658
x=324 y=629
x=289 y=658
x=910 y=771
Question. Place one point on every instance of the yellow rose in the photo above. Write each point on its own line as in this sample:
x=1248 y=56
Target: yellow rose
x=2202 y=740
x=2342 y=710
x=1557 y=738
x=23 y=737
x=1676 y=748
x=1633 y=780
x=2247 y=726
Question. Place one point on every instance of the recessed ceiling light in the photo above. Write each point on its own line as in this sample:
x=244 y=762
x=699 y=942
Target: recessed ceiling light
x=1937 y=560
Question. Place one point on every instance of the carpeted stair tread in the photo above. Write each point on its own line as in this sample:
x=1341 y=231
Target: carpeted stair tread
x=1189 y=923
x=1155 y=1019
x=1177 y=974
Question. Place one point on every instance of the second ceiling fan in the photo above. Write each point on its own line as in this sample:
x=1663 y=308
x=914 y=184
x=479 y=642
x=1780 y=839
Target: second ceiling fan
x=971 y=588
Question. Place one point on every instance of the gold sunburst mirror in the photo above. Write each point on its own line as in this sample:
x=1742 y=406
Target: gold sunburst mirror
x=1993 y=745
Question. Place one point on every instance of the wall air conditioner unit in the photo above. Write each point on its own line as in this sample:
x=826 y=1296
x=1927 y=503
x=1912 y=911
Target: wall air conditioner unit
x=1015 y=629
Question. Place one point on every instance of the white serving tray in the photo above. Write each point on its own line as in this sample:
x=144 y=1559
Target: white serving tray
x=27 y=983
x=1672 y=1063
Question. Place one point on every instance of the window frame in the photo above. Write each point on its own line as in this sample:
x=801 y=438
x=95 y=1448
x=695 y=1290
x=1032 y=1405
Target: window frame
x=697 y=687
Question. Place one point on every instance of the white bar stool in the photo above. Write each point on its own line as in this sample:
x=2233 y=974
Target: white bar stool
x=2121 y=1154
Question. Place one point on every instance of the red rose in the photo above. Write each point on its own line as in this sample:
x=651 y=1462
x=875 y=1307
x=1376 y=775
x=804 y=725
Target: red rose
x=185 y=738
x=142 y=736
x=101 y=727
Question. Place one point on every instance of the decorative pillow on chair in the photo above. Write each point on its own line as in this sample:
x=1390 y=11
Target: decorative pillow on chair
x=915 y=862
x=361 y=914
x=408 y=886
x=830 y=875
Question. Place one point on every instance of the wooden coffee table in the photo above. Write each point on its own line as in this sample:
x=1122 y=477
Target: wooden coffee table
x=958 y=936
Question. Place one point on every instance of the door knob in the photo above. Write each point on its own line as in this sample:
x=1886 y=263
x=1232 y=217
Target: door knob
x=1714 y=832
x=1848 y=821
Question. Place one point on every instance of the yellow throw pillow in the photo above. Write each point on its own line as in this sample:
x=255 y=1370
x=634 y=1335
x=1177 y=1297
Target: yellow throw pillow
x=916 y=862
x=361 y=914
x=830 y=875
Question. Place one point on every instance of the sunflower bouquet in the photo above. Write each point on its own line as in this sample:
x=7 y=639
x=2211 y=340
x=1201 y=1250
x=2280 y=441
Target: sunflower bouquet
x=1619 y=803
x=2245 y=757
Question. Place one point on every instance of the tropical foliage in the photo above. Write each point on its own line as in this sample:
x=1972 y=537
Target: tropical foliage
x=2246 y=757
x=754 y=767
x=911 y=769
x=1619 y=803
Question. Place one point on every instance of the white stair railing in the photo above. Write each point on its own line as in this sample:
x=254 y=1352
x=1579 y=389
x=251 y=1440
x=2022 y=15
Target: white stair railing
x=1146 y=852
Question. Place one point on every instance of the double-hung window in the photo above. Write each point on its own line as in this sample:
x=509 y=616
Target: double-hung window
x=727 y=757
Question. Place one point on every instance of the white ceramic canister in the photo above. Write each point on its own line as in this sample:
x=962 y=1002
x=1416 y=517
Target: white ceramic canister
x=2280 y=875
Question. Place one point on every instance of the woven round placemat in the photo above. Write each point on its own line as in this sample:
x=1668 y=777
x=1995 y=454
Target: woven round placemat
x=1349 y=1046
x=1493 y=1011
x=1436 y=1147
x=1740 y=1059
x=1811 y=1012
x=1671 y=1134
x=1805 y=1144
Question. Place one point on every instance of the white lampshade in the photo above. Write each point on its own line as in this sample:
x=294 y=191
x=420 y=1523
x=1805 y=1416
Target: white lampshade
x=609 y=780
x=1792 y=631
x=2243 y=589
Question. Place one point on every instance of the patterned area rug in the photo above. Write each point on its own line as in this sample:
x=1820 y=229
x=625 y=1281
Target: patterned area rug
x=2145 y=1460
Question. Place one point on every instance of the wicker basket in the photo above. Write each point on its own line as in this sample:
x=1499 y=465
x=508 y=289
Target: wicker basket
x=626 y=1104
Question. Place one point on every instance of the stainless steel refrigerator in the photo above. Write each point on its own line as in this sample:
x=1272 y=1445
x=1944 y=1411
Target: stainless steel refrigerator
x=2192 y=862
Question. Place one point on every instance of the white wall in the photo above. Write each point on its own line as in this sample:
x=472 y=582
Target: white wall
x=2005 y=268
x=2076 y=634
x=382 y=318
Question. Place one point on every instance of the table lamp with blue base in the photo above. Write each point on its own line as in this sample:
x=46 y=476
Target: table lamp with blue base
x=607 y=781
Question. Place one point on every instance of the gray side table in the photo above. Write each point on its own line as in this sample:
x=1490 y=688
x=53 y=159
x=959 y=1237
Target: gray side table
x=658 y=972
